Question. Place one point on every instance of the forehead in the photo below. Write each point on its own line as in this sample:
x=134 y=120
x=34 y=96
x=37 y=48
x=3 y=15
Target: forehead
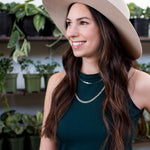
x=78 y=10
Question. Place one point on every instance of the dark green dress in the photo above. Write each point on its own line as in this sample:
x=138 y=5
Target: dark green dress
x=82 y=126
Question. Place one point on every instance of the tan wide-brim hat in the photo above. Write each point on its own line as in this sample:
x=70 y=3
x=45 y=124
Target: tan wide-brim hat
x=114 y=10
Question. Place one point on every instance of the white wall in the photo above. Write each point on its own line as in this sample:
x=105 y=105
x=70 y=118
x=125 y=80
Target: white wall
x=39 y=2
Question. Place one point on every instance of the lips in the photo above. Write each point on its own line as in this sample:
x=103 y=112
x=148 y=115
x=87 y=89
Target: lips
x=77 y=44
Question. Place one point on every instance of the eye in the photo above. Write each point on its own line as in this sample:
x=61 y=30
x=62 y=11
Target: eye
x=68 y=23
x=83 y=23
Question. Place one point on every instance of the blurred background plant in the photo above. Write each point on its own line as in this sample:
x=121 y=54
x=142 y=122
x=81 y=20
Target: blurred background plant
x=33 y=123
x=31 y=15
x=145 y=67
x=14 y=126
x=135 y=11
x=6 y=66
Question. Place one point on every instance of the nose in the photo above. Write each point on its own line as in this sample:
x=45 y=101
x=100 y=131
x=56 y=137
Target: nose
x=72 y=31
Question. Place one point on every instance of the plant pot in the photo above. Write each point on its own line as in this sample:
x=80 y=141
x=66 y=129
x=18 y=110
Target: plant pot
x=141 y=26
x=32 y=142
x=32 y=82
x=11 y=83
x=46 y=78
x=27 y=26
x=48 y=28
x=1 y=144
x=6 y=23
x=14 y=143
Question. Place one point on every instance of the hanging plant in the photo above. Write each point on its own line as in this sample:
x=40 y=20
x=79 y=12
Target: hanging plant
x=21 y=11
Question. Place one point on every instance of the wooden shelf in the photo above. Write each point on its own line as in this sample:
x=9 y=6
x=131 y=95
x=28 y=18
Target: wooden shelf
x=23 y=92
x=35 y=38
x=145 y=39
x=50 y=38
x=143 y=140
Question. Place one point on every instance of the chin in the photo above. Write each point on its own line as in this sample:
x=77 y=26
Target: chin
x=77 y=54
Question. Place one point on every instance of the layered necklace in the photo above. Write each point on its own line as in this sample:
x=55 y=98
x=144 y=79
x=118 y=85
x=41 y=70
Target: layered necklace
x=90 y=100
x=90 y=82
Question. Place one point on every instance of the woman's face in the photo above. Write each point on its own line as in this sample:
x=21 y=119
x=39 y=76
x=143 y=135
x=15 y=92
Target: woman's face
x=82 y=31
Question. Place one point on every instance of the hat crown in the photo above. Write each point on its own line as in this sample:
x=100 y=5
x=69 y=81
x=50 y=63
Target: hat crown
x=121 y=6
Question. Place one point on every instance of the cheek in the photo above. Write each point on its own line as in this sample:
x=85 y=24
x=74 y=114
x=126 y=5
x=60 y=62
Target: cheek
x=97 y=36
x=93 y=32
x=94 y=37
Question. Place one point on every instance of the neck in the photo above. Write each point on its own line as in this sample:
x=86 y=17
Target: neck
x=89 y=66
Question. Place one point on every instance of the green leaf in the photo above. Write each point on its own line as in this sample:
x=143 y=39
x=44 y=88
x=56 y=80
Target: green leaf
x=16 y=54
x=19 y=129
x=17 y=7
x=38 y=22
x=12 y=5
x=39 y=117
x=20 y=14
x=26 y=48
x=27 y=1
x=3 y=7
x=10 y=124
x=30 y=9
x=135 y=11
x=20 y=31
x=14 y=118
x=57 y=32
x=13 y=39
x=147 y=12
x=29 y=120
x=17 y=46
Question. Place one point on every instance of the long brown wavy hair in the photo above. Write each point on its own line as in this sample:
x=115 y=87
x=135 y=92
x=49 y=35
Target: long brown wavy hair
x=113 y=62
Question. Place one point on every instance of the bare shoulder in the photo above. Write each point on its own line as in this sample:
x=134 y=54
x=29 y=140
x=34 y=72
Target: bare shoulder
x=55 y=79
x=139 y=83
x=142 y=80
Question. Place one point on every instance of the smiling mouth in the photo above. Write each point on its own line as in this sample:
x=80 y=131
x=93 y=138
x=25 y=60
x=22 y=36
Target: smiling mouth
x=76 y=45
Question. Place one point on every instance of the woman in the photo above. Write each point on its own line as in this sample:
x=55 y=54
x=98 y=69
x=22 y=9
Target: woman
x=96 y=103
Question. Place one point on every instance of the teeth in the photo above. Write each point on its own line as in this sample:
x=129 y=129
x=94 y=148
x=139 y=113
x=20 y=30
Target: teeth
x=77 y=43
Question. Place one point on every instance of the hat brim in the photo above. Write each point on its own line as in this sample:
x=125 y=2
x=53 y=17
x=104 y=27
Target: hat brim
x=129 y=37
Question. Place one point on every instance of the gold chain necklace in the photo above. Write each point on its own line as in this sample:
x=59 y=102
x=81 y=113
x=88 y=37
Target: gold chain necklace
x=86 y=82
x=89 y=101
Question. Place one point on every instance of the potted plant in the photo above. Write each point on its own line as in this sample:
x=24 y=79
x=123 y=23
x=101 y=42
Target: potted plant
x=33 y=125
x=7 y=78
x=16 y=32
x=6 y=19
x=46 y=70
x=49 y=27
x=13 y=131
x=138 y=20
x=29 y=20
x=32 y=80
x=30 y=17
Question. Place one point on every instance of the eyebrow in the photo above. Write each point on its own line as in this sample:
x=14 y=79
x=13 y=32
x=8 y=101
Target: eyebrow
x=79 y=18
